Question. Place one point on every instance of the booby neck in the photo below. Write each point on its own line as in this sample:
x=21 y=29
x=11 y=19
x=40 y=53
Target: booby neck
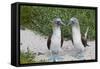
x=76 y=33
x=56 y=30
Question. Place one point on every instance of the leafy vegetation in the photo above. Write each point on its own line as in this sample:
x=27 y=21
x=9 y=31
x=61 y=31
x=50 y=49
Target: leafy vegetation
x=27 y=57
x=30 y=57
x=39 y=19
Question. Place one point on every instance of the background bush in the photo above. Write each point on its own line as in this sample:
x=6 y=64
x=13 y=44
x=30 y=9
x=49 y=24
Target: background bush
x=39 y=19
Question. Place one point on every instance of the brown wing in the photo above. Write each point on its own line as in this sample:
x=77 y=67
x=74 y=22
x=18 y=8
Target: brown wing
x=84 y=41
x=62 y=41
x=49 y=42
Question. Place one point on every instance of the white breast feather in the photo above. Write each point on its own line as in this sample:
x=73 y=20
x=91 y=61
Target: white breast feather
x=56 y=40
x=77 y=38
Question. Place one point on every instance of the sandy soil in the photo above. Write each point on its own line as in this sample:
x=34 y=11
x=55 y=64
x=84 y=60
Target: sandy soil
x=38 y=44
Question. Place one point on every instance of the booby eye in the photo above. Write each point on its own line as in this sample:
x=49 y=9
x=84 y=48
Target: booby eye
x=58 y=22
x=73 y=22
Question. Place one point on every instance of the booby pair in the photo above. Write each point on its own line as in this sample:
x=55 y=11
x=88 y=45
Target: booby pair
x=55 y=41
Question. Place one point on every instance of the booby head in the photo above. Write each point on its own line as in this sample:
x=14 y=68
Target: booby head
x=57 y=21
x=73 y=21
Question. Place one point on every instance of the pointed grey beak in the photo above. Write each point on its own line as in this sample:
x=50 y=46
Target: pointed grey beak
x=66 y=22
x=63 y=23
x=69 y=23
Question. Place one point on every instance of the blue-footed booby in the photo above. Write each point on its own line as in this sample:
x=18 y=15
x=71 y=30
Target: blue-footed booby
x=84 y=38
x=76 y=37
x=55 y=40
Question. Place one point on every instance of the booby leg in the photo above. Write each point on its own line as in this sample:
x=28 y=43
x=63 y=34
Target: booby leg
x=55 y=57
x=79 y=54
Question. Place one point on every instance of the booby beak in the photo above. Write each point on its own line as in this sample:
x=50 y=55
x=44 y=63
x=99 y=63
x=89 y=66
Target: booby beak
x=70 y=22
x=60 y=23
x=63 y=23
x=66 y=23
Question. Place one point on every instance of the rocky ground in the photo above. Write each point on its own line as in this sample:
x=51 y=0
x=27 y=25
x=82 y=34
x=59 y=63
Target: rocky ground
x=38 y=44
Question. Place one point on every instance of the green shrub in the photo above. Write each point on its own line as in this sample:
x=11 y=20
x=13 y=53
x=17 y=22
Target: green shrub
x=27 y=57
x=39 y=19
